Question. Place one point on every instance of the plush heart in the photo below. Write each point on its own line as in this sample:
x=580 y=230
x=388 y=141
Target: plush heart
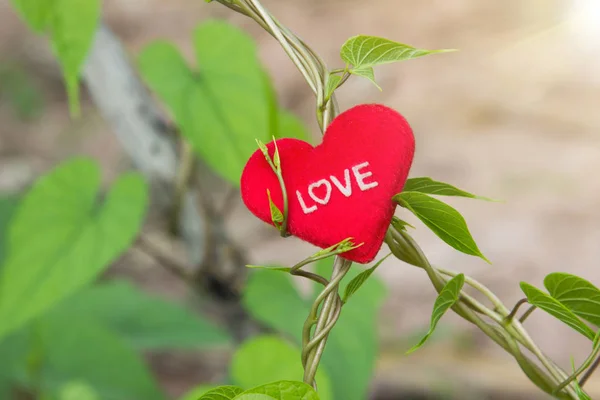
x=341 y=188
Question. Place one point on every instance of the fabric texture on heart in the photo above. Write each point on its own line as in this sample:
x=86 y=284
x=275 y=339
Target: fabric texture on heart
x=341 y=188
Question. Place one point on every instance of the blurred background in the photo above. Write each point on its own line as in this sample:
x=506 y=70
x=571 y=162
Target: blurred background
x=513 y=115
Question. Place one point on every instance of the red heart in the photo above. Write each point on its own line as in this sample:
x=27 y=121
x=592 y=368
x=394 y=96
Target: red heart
x=341 y=188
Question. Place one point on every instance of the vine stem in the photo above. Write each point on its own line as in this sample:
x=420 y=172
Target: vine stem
x=327 y=307
x=507 y=334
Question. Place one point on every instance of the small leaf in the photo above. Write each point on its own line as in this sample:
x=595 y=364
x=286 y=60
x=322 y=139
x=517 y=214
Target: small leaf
x=66 y=237
x=366 y=72
x=266 y=358
x=445 y=300
x=577 y=294
x=281 y=269
x=282 y=390
x=443 y=220
x=361 y=278
x=341 y=247
x=276 y=215
x=333 y=81
x=429 y=186
x=222 y=393
x=367 y=51
x=400 y=225
x=580 y=393
x=276 y=158
x=555 y=308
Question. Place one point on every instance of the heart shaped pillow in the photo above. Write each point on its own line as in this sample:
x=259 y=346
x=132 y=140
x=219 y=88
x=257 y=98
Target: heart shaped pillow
x=341 y=188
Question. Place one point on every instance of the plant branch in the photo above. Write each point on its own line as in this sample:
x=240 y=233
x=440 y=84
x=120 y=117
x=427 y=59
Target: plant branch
x=589 y=372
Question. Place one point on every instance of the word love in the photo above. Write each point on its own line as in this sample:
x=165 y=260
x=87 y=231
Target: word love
x=360 y=175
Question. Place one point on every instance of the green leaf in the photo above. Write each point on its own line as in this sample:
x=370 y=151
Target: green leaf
x=14 y=350
x=254 y=396
x=83 y=350
x=276 y=215
x=145 y=321
x=291 y=126
x=555 y=308
x=366 y=72
x=429 y=186
x=280 y=269
x=73 y=26
x=367 y=51
x=36 y=13
x=66 y=237
x=445 y=300
x=333 y=81
x=224 y=106
x=443 y=220
x=8 y=206
x=575 y=293
x=282 y=390
x=360 y=279
x=221 y=393
x=268 y=357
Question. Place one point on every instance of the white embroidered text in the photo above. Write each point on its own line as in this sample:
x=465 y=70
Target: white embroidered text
x=320 y=191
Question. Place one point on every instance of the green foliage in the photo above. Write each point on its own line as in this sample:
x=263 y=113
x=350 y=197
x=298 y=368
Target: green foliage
x=445 y=300
x=351 y=352
x=429 y=186
x=222 y=107
x=146 y=322
x=267 y=358
x=18 y=89
x=577 y=294
x=443 y=220
x=333 y=81
x=366 y=72
x=71 y=25
x=8 y=206
x=360 y=279
x=281 y=390
x=555 y=308
x=220 y=393
x=81 y=349
x=65 y=238
x=368 y=51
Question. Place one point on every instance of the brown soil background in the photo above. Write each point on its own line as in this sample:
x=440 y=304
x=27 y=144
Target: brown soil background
x=513 y=115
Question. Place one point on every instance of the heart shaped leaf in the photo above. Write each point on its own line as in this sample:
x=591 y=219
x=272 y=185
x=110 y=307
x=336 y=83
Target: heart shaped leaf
x=443 y=220
x=282 y=390
x=221 y=108
x=555 y=308
x=429 y=186
x=222 y=393
x=445 y=300
x=61 y=238
x=575 y=293
x=367 y=51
